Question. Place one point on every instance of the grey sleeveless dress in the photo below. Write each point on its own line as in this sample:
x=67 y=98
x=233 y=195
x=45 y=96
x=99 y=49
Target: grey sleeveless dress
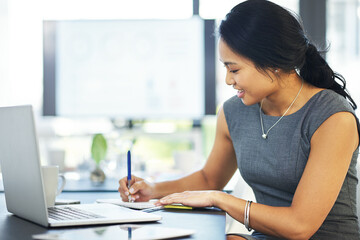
x=273 y=167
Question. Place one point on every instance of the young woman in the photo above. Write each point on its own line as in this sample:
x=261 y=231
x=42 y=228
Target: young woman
x=291 y=130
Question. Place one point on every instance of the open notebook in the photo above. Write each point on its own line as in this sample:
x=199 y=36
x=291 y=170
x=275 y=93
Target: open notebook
x=133 y=205
x=141 y=205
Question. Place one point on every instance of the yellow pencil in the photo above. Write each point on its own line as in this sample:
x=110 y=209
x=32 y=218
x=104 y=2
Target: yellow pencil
x=178 y=206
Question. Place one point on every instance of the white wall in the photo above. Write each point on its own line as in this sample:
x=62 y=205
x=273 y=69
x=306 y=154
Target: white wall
x=4 y=31
x=21 y=57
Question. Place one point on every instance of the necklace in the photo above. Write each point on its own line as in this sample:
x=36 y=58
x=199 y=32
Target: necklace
x=264 y=135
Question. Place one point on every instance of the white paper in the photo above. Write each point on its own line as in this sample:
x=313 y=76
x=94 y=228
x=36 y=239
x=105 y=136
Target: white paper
x=133 y=205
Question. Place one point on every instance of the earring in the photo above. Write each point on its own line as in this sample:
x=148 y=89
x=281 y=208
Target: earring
x=276 y=70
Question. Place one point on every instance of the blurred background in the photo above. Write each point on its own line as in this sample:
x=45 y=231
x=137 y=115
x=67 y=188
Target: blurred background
x=144 y=73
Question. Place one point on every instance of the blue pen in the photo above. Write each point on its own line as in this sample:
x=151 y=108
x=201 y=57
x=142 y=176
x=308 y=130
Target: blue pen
x=129 y=173
x=129 y=233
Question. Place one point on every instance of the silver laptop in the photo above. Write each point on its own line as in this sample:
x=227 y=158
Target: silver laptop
x=23 y=181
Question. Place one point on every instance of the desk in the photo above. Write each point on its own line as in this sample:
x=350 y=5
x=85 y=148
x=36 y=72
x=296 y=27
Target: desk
x=207 y=224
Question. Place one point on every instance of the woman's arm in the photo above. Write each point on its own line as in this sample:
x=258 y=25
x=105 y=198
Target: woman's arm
x=332 y=147
x=219 y=168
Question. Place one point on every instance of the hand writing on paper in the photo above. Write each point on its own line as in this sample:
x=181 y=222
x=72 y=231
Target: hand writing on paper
x=140 y=190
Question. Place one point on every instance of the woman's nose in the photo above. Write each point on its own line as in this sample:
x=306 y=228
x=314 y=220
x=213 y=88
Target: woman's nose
x=229 y=80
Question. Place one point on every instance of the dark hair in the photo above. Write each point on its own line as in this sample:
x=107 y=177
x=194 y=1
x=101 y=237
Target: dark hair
x=272 y=37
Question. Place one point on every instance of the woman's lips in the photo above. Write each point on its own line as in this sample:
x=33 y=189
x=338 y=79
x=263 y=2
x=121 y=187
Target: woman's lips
x=240 y=93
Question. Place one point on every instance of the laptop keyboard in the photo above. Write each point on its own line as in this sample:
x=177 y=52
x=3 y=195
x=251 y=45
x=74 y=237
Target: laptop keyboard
x=69 y=213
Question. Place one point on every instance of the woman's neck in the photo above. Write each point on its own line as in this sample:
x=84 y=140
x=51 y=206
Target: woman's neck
x=290 y=86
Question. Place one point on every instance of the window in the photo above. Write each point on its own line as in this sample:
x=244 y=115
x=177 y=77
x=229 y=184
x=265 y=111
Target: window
x=21 y=35
x=343 y=36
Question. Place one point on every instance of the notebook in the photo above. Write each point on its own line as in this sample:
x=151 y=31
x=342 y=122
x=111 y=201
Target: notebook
x=133 y=205
x=147 y=206
x=23 y=181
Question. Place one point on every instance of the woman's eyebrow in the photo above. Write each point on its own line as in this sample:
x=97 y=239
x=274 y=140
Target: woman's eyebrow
x=228 y=63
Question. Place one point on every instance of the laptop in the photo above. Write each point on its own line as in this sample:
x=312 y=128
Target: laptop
x=23 y=181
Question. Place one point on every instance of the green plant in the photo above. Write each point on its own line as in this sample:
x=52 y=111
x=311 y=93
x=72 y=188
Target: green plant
x=98 y=148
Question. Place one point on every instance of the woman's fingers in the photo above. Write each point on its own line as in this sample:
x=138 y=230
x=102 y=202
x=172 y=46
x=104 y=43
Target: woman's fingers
x=190 y=198
x=139 y=189
x=175 y=198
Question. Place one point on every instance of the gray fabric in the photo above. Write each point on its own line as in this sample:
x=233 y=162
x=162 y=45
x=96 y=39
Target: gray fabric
x=273 y=167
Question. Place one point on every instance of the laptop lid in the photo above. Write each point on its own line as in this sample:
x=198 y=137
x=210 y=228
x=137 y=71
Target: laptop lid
x=20 y=164
x=22 y=177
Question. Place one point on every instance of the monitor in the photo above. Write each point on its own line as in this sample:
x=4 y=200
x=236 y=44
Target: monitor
x=131 y=69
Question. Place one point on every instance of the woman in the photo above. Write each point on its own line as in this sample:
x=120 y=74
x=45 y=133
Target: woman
x=291 y=130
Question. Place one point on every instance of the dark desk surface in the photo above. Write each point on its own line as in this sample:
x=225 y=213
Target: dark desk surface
x=207 y=224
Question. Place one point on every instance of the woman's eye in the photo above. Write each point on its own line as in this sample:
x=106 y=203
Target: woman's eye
x=229 y=69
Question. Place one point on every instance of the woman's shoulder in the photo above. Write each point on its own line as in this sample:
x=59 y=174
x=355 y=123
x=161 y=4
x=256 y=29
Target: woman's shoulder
x=236 y=111
x=234 y=107
x=231 y=101
x=231 y=104
x=329 y=101
x=236 y=103
x=321 y=106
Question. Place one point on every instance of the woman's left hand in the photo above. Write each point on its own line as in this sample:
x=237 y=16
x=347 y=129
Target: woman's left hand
x=191 y=198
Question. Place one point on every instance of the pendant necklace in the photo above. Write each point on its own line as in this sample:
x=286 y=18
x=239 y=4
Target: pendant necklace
x=264 y=135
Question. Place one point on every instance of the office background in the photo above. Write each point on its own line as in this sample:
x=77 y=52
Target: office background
x=162 y=148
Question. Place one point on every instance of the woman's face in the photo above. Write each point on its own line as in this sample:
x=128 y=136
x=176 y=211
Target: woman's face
x=252 y=85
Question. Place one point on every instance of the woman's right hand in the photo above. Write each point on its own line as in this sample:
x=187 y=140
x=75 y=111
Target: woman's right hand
x=140 y=190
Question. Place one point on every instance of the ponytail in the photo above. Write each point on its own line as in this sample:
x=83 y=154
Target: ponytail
x=317 y=72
